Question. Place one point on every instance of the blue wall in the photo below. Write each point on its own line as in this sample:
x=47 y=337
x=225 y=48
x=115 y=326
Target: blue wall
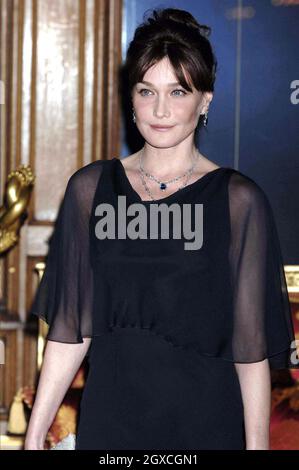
x=253 y=122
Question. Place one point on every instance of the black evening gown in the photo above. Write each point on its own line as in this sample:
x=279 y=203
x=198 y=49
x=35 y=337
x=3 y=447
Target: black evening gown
x=167 y=323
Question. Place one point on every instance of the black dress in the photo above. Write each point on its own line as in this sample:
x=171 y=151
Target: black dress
x=167 y=323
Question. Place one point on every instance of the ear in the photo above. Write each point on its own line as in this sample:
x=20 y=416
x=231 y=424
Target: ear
x=207 y=98
x=205 y=101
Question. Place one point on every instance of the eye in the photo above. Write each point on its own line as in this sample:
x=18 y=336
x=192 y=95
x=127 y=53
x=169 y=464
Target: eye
x=143 y=89
x=181 y=91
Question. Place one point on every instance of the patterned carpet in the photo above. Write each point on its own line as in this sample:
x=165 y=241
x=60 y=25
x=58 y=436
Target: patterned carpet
x=284 y=426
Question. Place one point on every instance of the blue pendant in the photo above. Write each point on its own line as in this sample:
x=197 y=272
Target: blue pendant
x=163 y=186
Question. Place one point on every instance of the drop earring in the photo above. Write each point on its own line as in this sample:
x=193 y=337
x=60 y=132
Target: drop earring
x=134 y=117
x=205 y=121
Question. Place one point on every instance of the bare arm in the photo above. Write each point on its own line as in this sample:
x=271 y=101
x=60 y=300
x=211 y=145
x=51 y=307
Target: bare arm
x=60 y=365
x=255 y=384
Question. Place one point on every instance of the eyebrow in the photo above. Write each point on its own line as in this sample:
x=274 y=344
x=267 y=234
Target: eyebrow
x=151 y=84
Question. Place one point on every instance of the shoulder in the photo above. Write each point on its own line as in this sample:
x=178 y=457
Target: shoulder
x=82 y=184
x=244 y=190
x=86 y=178
x=89 y=172
x=248 y=203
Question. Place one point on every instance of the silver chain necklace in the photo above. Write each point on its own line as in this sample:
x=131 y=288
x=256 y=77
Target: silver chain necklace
x=142 y=172
x=163 y=184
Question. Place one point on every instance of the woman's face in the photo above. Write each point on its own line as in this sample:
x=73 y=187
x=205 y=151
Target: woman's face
x=161 y=102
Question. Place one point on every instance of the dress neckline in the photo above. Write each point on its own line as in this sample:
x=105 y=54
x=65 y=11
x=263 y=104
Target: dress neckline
x=180 y=191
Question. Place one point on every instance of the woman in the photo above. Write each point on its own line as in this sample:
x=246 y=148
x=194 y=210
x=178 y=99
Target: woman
x=180 y=341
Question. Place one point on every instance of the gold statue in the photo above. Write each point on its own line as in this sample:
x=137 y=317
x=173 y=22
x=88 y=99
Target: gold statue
x=13 y=212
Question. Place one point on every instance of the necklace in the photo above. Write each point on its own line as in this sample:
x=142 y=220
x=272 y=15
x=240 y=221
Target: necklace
x=189 y=173
x=163 y=184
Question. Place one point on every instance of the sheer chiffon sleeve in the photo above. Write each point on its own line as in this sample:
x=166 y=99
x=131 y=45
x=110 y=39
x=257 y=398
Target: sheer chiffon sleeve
x=64 y=297
x=262 y=321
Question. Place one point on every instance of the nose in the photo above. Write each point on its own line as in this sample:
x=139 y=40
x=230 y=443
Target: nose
x=161 y=108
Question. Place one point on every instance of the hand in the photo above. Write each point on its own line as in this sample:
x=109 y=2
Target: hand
x=33 y=445
x=262 y=446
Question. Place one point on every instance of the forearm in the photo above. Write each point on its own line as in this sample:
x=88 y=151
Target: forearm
x=255 y=384
x=60 y=364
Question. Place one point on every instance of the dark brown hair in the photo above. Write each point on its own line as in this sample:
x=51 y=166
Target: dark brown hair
x=176 y=34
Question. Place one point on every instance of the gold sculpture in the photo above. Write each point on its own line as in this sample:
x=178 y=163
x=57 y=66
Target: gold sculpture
x=13 y=212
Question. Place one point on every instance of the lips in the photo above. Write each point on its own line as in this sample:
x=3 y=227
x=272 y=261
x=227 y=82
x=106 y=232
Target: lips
x=161 y=128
